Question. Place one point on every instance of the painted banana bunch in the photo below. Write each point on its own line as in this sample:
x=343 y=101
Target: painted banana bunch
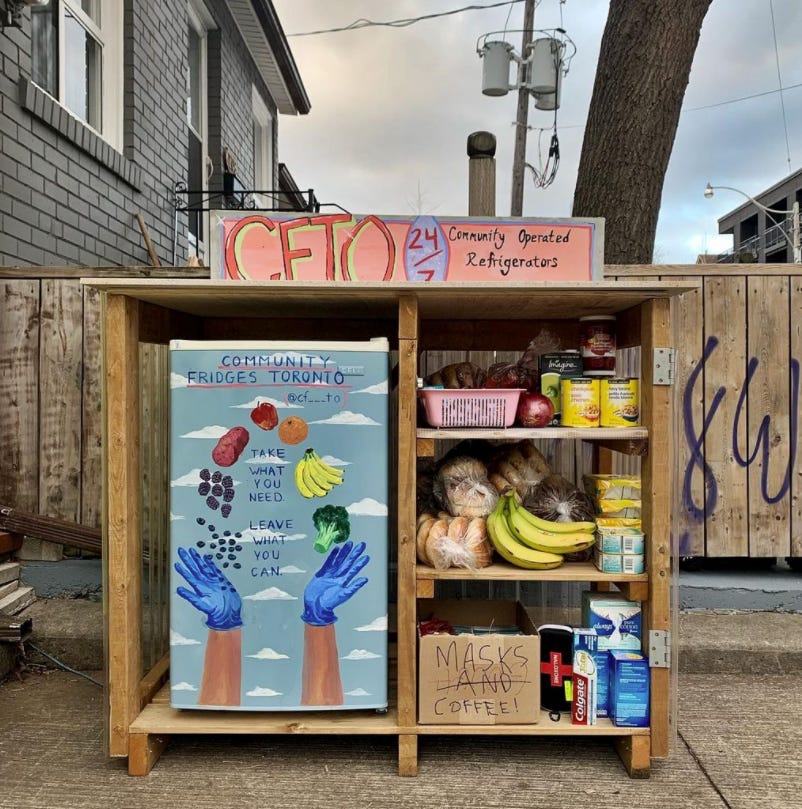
x=314 y=477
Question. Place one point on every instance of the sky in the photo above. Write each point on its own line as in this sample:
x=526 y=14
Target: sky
x=392 y=109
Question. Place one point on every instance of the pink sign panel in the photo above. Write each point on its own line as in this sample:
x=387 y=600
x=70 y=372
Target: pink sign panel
x=347 y=247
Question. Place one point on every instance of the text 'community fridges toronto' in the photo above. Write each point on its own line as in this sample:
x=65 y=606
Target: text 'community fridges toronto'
x=279 y=525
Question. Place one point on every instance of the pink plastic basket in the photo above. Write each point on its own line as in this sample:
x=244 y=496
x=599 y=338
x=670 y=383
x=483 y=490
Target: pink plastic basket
x=468 y=407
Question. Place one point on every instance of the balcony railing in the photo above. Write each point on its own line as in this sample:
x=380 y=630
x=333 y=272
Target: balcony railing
x=749 y=249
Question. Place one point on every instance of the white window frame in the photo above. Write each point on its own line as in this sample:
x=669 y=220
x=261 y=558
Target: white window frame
x=109 y=35
x=201 y=20
x=263 y=160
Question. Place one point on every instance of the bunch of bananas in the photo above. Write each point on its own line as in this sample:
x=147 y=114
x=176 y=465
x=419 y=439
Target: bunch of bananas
x=314 y=477
x=533 y=543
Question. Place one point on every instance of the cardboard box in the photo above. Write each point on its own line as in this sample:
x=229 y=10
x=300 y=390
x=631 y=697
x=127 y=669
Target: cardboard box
x=617 y=621
x=481 y=679
x=629 y=689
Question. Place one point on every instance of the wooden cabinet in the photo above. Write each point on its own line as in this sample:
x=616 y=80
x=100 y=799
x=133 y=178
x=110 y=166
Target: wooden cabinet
x=417 y=318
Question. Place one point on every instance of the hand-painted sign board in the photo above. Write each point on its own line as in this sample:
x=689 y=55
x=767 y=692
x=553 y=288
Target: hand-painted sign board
x=349 y=247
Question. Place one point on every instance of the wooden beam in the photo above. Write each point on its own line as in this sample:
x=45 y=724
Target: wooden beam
x=123 y=540
x=145 y=750
x=634 y=752
x=152 y=682
x=38 y=273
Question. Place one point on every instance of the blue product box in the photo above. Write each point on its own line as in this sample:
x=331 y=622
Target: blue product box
x=629 y=689
x=588 y=640
x=618 y=622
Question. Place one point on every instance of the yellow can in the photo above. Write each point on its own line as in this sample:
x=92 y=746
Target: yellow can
x=619 y=403
x=580 y=402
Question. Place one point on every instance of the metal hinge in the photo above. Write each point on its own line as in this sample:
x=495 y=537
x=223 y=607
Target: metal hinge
x=659 y=648
x=664 y=365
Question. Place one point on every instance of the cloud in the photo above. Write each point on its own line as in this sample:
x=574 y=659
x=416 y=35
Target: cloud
x=262 y=399
x=360 y=654
x=376 y=625
x=213 y=431
x=174 y=517
x=178 y=381
x=192 y=478
x=249 y=535
x=358 y=692
x=367 y=507
x=268 y=654
x=349 y=418
x=182 y=687
x=291 y=569
x=266 y=461
x=262 y=692
x=332 y=461
x=271 y=594
x=177 y=639
x=379 y=387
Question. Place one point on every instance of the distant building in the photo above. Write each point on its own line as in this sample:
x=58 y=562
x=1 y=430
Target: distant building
x=758 y=236
x=103 y=116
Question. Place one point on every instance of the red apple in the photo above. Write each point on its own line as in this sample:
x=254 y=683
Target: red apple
x=534 y=410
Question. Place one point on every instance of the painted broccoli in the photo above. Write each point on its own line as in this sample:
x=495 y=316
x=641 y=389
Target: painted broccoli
x=332 y=525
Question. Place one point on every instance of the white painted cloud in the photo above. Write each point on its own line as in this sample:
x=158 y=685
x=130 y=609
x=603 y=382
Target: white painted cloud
x=183 y=687
x=213 y=431
x=271 y=594
x=174 y=517
x=268 y=654
x=178 y=381
x=332 y=461
x=249 y=534
x=376 y=625
x=349 y=418
x=177 y=639
x=192 y=478
x=262 y=692
x=367 y=507
x=360 y=654
x=267 y=461
x=262 y=399
x=358 y=692
x=378 y=388
x=291 y=569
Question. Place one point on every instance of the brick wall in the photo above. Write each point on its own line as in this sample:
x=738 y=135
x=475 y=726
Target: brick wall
x=66 y=197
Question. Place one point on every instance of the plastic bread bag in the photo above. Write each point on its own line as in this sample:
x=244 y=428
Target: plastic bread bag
x=612 y=487
x=558 y=500
x=462 y=488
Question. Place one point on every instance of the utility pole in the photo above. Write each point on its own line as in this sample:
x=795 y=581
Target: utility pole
x=522 y=118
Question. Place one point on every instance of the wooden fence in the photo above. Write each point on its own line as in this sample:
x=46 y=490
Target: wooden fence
x=738 y=341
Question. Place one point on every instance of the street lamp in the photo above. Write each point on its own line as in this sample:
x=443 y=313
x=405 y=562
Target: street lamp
x=793 y=240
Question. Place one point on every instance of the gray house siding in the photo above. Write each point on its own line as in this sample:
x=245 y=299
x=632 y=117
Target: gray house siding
x=67 y=197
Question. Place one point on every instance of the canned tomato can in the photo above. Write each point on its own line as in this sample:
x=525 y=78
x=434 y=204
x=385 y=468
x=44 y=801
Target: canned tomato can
x=597 y=345
x=580 y=402
x=619 y=402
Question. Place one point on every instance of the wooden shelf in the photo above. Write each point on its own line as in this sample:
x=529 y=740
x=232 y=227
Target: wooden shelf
x=545 y=727
x=517 y=433
x=501 y=571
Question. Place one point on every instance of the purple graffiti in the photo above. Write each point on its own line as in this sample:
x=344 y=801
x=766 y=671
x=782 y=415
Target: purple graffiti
x=762 y=444
x=763 y=441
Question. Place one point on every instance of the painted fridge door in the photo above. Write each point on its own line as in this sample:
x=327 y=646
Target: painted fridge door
x=279 y=525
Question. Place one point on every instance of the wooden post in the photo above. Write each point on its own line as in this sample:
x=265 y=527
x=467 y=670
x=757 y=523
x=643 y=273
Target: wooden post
x=481 y=174
x=122 y=519
x=656 y=474
x=407 y=404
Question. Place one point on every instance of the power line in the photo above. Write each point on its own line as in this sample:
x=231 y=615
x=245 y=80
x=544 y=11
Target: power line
x=780 y=83
x=403 y=23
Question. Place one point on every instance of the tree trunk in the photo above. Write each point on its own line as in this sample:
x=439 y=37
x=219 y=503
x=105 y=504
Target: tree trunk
x=645 y=59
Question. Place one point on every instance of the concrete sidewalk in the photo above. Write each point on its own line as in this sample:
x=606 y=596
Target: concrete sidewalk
x=739 y=743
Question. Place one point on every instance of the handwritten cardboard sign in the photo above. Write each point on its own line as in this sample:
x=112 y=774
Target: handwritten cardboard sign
x=479 y=679
x=346 y=247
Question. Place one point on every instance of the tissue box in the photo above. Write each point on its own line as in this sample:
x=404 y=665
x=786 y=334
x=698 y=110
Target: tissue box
x=629 y=689
x=618 y=622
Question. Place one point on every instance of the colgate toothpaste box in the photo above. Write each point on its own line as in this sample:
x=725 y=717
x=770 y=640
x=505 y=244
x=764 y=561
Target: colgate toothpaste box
x=585 y=677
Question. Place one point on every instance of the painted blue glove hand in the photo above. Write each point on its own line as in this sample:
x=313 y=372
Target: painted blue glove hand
x=211 y=592
x=334 y=583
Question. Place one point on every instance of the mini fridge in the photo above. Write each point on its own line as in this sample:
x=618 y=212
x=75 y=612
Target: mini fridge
x=278 y=525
